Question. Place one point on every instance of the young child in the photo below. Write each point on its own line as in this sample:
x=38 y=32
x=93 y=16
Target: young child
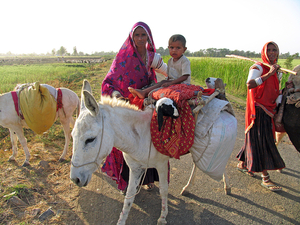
x=179 y=69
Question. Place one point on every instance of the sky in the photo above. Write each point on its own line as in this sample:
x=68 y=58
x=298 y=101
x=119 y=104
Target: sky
x=35 y=26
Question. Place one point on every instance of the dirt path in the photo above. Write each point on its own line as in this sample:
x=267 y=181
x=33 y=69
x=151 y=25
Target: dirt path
x=249 y=203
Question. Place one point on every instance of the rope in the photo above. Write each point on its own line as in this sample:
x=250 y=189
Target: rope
x=98 y=165
x=144 y=175
x=95 y=161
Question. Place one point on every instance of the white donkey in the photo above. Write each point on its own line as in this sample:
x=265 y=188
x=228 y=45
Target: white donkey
x=114 y=123
x=10 y=119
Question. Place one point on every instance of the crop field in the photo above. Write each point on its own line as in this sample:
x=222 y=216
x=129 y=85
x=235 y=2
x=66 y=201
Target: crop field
x=234 y=73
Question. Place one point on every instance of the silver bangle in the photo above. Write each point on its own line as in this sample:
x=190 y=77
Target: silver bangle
x=258 y=81
x=115 y=93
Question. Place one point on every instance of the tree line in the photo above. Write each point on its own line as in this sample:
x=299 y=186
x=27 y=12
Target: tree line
x=222 y=52
x=209 y=52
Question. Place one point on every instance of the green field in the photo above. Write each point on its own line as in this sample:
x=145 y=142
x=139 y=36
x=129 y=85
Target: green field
x=19 y=74
x=234 y=73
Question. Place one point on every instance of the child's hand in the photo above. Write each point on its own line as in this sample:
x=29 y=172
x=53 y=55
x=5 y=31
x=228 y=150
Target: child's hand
x=167 y=84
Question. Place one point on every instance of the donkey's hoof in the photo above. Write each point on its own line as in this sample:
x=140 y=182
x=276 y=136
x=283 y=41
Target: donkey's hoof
x=25 y=164
x=161 y=221
x=11 y=159
x=61 y=160
x=184 y=192
x=227 y=191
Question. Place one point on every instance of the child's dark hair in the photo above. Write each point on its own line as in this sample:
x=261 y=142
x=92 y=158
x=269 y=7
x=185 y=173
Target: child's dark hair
x=177 y=37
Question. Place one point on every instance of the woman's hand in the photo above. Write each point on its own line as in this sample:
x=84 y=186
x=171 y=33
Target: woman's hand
x=273 y=69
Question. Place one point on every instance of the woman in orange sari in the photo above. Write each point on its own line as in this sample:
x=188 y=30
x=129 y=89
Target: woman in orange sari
x=259 y=153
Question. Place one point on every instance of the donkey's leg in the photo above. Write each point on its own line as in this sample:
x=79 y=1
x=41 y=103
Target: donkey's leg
x=227 y=187
x=184 y=190
x=19 y=132
x=66 y=119
x=72 y=122
x=134 y=180
x=14 y=140
x=279 y=136
x=162 y=170
x=66 y=125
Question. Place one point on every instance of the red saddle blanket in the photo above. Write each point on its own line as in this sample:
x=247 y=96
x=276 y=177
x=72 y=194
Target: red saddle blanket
x=177 y=135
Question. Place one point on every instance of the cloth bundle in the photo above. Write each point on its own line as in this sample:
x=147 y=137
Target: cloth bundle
x=294 y=99
x=177 y=135
x=38 y=107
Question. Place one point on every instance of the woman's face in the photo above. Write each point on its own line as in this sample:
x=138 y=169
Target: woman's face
x=272 y=53
x=140 y=37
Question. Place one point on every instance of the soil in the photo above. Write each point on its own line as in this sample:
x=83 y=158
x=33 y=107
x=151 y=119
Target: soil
x=47 y=186
x=51 y=59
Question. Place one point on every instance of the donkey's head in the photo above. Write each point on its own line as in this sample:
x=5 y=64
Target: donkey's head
x=89 y=147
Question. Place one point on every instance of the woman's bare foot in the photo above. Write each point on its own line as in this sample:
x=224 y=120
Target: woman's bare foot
x=241 y=167
x=148 y=187
x=136 y=92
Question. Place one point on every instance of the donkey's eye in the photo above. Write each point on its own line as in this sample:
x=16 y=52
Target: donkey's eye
x=89 y=140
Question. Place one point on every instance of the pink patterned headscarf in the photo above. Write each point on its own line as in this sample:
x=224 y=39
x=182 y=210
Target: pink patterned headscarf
x=128 y=69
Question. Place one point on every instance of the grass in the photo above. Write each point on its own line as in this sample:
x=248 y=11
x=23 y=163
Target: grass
x=38 y=185
x=20 y=190
x=55 y=74
x=233 y=72
x=20 y=74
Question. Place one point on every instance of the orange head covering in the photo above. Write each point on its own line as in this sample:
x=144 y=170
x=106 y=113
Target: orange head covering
x=250 y=109
x=264 y=55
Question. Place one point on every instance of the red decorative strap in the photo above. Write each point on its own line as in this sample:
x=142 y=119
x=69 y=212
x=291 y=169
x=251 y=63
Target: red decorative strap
x=15 y=98
x=59 y=99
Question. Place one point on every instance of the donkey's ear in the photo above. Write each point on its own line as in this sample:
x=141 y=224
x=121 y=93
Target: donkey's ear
x=86 y=86
x=160 y=117
x=90 y=103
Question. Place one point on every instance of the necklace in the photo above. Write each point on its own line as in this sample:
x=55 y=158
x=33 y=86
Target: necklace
x=145 y=58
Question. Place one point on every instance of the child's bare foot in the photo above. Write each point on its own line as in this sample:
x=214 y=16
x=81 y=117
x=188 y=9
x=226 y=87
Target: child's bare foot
x=136 y=92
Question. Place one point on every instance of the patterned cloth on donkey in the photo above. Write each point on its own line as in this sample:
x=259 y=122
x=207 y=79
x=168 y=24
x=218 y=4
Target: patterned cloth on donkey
x=177 y=135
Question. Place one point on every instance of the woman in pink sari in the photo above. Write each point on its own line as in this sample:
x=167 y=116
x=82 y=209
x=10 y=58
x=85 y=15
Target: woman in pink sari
x=134 y=66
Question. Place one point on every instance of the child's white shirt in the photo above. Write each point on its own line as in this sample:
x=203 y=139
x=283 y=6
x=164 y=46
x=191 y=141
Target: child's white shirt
x=181 y=67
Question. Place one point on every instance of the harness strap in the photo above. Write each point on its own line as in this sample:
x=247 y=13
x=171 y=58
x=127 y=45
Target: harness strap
x=16 y=103
x=96 y=159
x=59 y=99
x=15 y=98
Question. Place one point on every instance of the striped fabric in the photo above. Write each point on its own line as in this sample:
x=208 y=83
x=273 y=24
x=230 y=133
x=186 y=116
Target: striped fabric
x=259 y=151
